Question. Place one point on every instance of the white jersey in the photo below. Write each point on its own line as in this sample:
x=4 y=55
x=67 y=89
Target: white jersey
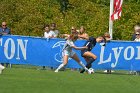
x=55 y=33
x=68 y=45
x=48 y=34
x=67 y=49
x=137 y=40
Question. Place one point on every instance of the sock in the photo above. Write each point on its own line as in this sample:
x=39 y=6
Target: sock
x=81 y=64
x=60 y=66
x=90 y=62
x=88 y=65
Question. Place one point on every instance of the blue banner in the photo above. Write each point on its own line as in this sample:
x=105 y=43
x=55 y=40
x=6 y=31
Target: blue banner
x=47 y=52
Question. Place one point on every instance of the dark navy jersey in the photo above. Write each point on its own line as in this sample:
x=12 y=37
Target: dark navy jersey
x=90 y=43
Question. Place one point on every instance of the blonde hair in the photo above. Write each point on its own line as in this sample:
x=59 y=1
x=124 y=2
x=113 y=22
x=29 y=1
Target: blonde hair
x=107 y=35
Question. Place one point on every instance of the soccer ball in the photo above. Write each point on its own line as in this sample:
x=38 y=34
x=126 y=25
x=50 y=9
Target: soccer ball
x=91 y=70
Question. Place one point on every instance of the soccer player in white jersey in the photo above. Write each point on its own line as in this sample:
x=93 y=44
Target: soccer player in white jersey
x=67 y=52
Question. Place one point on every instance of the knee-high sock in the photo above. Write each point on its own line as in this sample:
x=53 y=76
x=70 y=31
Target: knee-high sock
x=60 y=66
x=90 y=62
x=88 y=65
x=81 y=64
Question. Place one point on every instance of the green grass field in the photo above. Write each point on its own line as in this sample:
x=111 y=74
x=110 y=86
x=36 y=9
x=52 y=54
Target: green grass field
x=31 y=80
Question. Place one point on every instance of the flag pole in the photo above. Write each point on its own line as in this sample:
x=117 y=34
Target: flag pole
x=110 y=21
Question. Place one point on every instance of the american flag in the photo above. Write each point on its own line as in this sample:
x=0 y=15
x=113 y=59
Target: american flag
x=117 y=9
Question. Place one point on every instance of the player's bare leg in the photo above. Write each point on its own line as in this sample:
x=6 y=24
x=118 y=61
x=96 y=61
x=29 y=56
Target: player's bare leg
x=65 y=61
x=75 y=57
x=89 y=58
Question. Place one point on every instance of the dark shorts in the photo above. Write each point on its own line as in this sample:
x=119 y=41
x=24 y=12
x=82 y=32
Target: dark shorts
x=82 y=52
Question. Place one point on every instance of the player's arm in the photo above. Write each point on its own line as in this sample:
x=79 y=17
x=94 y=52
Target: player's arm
x=75 y=47
x=79 y=48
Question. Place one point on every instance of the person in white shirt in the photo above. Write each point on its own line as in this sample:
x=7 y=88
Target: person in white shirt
x=67 y=52
x=136 y=29
x=48 y=33
x=54 y=30
x=137 y=39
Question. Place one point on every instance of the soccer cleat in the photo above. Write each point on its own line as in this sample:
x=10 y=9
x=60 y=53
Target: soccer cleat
x=89 y=72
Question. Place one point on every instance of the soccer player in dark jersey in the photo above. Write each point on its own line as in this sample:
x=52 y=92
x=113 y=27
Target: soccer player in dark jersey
x=86 y=53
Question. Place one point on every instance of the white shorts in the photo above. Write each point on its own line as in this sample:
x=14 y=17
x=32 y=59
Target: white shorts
x=70 y=54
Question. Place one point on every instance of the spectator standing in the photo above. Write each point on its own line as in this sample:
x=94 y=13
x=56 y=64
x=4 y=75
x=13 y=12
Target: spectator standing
x=4 y=30
x=137 y=39
x=136 y=28
x=82 y=33
x=47 y=32
x=73 y=30
x=53 y=29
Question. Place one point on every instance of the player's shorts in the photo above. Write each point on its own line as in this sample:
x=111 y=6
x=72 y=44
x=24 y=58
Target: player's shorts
x=83 y=51
x=70 y=54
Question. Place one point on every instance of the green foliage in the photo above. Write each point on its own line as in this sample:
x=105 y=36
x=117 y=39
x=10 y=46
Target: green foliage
x=27 y=17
